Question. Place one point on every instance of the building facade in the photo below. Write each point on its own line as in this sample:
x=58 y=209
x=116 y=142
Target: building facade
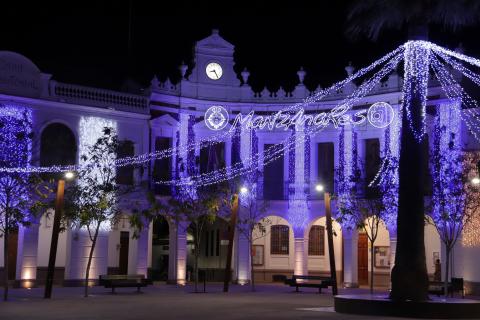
x=170 y=115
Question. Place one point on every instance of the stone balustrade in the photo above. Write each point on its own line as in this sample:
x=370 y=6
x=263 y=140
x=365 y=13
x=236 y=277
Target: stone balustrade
x=99 y=97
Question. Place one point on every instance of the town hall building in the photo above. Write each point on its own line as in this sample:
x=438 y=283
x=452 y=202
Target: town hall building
x=66 y=117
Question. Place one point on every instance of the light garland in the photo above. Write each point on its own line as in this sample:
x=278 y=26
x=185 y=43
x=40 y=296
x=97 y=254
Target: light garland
x=15 y=150
x=275 y=152
x=221 y=136
x=90 y=130
x=417 y=57
x=297 y=197
x=346 y=177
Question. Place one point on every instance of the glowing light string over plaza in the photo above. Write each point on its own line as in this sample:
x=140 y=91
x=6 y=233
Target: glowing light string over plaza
x=419 y=58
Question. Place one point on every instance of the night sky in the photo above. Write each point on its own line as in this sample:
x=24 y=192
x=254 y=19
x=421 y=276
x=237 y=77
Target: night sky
x=87 y=42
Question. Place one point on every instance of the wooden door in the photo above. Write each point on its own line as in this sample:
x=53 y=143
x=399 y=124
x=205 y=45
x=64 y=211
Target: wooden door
x=12 y=254
x=123 y=259
x=362 y=259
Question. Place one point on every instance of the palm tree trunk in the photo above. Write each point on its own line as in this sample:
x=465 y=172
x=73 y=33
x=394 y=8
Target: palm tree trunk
x=409 y=275
x=447 y=269
x=89 y=263
x=5 y=259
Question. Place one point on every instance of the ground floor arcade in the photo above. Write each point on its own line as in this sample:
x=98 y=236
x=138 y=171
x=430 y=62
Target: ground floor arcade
x=165 y=251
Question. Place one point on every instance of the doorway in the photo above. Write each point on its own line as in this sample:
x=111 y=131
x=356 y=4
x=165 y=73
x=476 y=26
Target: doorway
x=12 y=254
x=362 y=259
x=123 y=259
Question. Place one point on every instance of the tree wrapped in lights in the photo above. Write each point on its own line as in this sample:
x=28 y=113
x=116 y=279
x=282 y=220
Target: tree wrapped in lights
x=454 y=200
x=15 y=151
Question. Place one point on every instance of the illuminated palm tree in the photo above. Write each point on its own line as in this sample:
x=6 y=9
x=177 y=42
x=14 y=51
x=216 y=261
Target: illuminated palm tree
x=371 y=17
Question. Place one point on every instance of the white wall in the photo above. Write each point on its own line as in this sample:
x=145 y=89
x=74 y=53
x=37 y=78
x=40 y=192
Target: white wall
x=114 y=246
x=432 y=244
x=44 y=241
x=322 y=263
x=276 y=262
x=383 y=240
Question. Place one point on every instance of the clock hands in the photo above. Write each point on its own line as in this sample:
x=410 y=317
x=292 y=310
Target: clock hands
x=214 y=71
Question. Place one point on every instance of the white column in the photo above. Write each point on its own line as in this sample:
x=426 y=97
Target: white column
x=142 y=253
x=350 y=258
x=177 y=269
x=77 y=258
x=27 y=254
x=301 y=257
x=393 y=248
x=242 y=265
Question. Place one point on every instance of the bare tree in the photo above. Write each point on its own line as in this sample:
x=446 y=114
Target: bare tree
x=365 y=214
x=252 y=223
x=93 y=202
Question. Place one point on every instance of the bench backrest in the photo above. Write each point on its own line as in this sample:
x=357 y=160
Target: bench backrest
x=311 y=278
x=457 y=283
x=121 y=277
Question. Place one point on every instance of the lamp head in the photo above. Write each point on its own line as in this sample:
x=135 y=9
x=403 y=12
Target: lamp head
x=69 y=175
x=476 y=181
x=243 y=190
x=319 y=188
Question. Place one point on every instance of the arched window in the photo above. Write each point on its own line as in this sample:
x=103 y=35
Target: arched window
x=279 y=239
x=58 y=146
x=316 y=241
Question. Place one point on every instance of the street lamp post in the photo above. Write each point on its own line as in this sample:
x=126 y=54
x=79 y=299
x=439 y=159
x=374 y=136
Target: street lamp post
x=55 y=232
x=231 y=236
x=331 y=252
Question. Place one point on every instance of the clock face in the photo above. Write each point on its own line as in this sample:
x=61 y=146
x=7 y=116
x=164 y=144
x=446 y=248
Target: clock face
x=214 y=71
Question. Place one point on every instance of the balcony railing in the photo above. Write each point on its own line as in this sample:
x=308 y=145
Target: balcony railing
x=103 y=98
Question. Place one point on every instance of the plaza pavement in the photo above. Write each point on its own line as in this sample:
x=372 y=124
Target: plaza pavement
x=270 y=301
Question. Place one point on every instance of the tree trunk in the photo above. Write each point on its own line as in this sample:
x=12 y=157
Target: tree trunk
x=448 y=251
x=89 y=263
x=5 y=259
x=252 y=275
x=409 y=275
x=195 y=264
x=372 y=258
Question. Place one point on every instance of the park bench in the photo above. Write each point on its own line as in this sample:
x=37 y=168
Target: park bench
x=437 y=287
x=309 y=282
x=124 y=281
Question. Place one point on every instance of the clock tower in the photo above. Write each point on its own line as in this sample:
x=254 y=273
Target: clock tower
x=212 y=76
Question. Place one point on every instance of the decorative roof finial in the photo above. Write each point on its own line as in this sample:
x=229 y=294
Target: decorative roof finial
x=349 y=68
x=301 y=75
x=460 y=48
x=245 y=75
x=183 y=69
